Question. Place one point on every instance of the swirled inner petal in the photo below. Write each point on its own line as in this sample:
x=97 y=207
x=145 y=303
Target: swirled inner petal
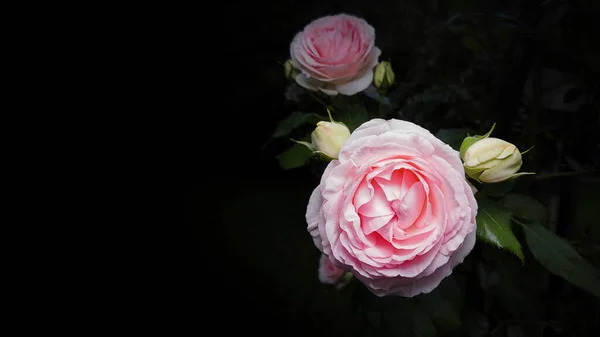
x=432 y=224
x=322 y=45
x=372 y=224
x=378 y=205
x=363 y=194
x=409 y=207
x=422 y=223
x=398 y=184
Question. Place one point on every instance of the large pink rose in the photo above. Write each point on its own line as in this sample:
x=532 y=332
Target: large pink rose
x=336 y=54
x=395 y=209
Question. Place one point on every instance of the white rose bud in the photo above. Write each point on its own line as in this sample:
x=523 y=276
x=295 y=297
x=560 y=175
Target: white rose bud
x=329 y=137
x=492 y=160
x=383 y=76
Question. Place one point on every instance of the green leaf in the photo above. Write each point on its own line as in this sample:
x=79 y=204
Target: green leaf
x=559 y=258
x=525 y=207
x=471 y=43
x=453 y=137
x=494 y=227
x=294 y=157
x=293 y=121
x=354 y=116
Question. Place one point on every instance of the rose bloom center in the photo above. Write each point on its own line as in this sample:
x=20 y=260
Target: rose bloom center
x=396 y=213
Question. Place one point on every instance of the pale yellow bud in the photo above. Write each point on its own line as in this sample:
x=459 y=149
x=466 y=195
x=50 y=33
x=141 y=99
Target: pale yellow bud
x=290 y=71
x=492 y=160
x=383 y=76
x=329 y=137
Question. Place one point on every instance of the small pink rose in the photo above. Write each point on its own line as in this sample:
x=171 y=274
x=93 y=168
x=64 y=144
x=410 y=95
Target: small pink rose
x=328 y=272
x=336 y=54
x=394 y=209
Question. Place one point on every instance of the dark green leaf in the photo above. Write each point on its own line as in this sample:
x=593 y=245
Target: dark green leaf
x=452 y=137
x=556 y=255
x=294 y=120
x=494 y=227
x=525 y=207
x=295 y=156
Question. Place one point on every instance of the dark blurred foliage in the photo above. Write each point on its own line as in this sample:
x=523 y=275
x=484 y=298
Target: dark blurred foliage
x=459 y=64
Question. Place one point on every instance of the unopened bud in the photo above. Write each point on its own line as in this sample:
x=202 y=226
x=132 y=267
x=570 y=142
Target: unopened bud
x=329 y=137
x=289 y=70
x=383 y=77
x=492 y=160
x=470 y=140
